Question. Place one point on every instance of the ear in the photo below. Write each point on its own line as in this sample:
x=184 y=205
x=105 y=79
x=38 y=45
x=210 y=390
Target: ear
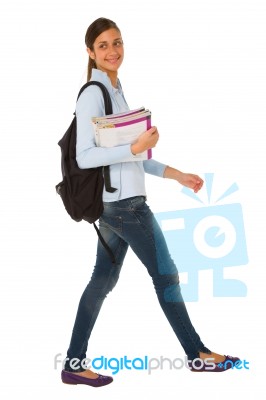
x=91 y=53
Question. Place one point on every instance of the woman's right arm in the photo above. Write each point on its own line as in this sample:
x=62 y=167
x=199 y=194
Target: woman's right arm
x=91 y=104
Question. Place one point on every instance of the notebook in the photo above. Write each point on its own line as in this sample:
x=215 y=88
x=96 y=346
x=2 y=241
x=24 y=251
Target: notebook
x=123 y=128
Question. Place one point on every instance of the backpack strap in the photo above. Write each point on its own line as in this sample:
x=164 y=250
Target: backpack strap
x=106 y=170
x=108 y=110
x=106 y=96
x=105 y=245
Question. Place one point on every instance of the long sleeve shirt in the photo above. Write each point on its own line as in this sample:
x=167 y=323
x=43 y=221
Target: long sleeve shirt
x=127 y=177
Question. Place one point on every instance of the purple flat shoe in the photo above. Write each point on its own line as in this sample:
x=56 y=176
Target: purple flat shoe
x=74 y=379
x=228 y=363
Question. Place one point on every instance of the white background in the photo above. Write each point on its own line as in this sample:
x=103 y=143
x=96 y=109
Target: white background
x=200 y=67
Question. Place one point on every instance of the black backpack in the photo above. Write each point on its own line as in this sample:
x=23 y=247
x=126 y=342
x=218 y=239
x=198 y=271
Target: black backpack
x=81 y=189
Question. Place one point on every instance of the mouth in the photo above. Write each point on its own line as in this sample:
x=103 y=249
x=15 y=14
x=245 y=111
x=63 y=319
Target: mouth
x=113 y=60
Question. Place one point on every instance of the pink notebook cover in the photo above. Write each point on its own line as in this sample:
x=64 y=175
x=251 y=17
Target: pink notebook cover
x=148 y=121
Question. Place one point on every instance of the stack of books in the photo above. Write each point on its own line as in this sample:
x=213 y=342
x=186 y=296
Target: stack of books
x=123 y=128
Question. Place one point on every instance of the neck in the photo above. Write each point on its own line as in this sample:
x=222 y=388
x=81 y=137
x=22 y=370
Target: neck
x=112 y=75
x=113 y=78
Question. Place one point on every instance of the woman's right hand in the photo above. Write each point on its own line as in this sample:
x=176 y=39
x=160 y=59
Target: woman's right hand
x=146 y=140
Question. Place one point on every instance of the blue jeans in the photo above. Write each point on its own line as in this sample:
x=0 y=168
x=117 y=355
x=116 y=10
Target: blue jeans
x=125 y=223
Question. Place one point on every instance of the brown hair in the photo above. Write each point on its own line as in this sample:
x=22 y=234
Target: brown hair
x=99 y=26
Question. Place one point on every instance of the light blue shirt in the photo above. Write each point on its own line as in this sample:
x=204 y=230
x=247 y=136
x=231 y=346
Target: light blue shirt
x=127 y=177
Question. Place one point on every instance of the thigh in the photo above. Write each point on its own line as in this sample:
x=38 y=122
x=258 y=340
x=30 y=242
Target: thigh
x=149 y=244
x=115 y=242
x=133 y=221
x=106 y=274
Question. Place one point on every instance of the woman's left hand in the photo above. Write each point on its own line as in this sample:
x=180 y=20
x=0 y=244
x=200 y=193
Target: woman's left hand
x=191 y=181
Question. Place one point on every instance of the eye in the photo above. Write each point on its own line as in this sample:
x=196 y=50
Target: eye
x=118 y=43
x=102 y=46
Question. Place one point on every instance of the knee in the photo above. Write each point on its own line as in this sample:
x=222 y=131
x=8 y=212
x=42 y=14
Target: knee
x=169 y=287
x=113 y=279
x=104 y=281
x=172 y=293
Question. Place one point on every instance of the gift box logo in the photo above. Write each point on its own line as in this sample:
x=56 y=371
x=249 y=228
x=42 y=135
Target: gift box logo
x=208 y=237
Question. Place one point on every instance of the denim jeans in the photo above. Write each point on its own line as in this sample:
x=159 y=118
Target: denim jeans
x=124 y=223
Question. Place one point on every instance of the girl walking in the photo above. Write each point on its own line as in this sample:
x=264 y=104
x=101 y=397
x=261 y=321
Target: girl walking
x=127 y=220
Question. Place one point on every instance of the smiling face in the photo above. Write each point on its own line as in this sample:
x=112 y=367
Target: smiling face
x=108 y=51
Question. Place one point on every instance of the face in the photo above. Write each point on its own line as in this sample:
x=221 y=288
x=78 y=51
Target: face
x=108 y=51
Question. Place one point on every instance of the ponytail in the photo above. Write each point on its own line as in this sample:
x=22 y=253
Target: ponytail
x=91 y=64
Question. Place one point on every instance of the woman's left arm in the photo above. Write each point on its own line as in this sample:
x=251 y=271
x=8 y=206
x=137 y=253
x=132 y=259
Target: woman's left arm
x=156 y=168
x=191 y=181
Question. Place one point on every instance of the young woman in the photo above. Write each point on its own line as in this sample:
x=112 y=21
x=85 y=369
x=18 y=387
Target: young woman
x=126 y=219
